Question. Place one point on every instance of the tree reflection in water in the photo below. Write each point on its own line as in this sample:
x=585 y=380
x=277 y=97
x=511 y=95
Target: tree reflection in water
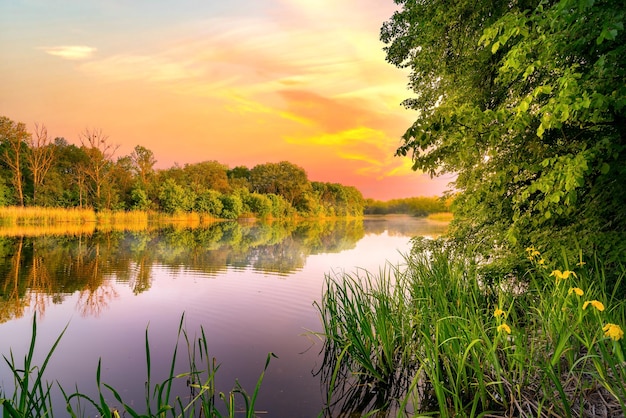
x=89 y=263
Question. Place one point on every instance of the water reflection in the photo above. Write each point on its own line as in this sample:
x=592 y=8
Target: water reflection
x=38 y=270
x=250 y=285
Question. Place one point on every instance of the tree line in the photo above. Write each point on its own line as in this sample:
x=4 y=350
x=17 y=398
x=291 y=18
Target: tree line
x=38 y=170
x=415 y=206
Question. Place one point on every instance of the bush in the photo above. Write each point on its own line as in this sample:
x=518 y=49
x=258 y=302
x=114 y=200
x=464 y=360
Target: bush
x=209 y=202
x=232 y=206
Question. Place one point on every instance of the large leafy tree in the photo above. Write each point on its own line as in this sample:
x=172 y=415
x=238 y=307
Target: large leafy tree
x=207 y=175
x=526 y=102
x=284 y=179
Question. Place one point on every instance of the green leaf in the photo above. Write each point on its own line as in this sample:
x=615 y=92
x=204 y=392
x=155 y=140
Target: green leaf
x=604 y=169
x=540 y=130
x=495 y=46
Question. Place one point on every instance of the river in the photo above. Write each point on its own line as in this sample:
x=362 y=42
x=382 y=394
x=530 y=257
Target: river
x=251 y=287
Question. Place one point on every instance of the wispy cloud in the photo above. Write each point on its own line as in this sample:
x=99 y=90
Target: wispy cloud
x=142 y=67
x=370 y=148
x=71 y=52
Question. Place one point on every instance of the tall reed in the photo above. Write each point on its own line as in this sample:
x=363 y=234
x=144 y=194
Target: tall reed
x=32 y=396
x=547 y=344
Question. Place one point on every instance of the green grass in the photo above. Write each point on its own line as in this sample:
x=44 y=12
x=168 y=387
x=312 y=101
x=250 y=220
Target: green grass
x=32 y=396
x=433 y=338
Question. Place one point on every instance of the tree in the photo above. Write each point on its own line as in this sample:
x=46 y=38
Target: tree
x=525 y=101
x=139 y=199
x=66 y=185
x=100 y=154
x=174 y=198
x=40 y=157
x=239 y=177
x=283 y=178
x=122 y=183
x=207 y=175
x=13 y=138
x=143 y=163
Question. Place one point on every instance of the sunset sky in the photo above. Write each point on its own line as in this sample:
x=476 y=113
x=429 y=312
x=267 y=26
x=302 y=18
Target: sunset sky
x=242 y=82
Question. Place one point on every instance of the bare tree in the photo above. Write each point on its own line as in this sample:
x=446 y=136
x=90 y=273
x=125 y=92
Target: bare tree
x=40 y=157
x=100 y=154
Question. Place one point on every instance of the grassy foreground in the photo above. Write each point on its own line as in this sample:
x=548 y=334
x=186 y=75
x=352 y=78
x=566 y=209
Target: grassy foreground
x=32 y=396
x=434 y=339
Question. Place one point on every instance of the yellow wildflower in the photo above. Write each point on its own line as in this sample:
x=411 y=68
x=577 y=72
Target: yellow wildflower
x=541 y=262
x=576 y=290
x=505 y=328
x=532 y=253
x=562 y=275
x=595 y=303
x=613 y=331
x=499 y=312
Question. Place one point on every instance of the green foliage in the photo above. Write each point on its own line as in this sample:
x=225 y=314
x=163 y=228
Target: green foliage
x=280 y=207
x=139 y=199
x=13 y=147
x=174 y=198
x=232 y=206
x=259 y=204
x=209 y=202
x=526 y=102
x=5 y=194
x=339 y=200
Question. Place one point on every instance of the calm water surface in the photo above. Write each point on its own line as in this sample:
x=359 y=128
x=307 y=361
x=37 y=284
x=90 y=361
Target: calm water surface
x=251 y=287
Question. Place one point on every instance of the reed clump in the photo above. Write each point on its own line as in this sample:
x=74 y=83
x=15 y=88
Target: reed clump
x=434 y=338
x=32 y=215
x=441 y=216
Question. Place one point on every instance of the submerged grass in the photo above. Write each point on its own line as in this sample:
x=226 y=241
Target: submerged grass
x=432 y=338
x=32 y=396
